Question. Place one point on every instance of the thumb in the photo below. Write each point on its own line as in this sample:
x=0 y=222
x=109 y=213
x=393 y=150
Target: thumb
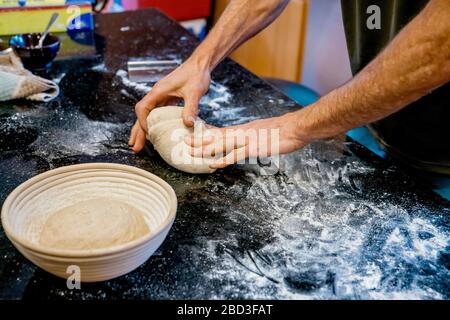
x=190 y=110
x=147 y=104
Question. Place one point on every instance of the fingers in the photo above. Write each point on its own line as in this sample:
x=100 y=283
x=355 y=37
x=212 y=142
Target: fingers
x=140 y=141
x=190 y=109
x=199 y=140
x=133 y=134
x=217 y=141
x=142 y=109
x=233 y=157
x=219 y=147
x=207 y=151
x=137 y=138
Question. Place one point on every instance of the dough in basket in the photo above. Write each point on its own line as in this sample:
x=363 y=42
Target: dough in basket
x=93 y=224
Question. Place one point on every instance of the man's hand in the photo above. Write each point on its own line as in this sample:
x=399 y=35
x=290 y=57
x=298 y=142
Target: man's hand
x=260 y=138
x=241 y=20
x=190 y=81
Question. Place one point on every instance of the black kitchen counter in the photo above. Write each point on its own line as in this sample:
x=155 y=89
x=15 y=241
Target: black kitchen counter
x=335 y=222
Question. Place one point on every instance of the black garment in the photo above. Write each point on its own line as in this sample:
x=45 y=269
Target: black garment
x=419 y=134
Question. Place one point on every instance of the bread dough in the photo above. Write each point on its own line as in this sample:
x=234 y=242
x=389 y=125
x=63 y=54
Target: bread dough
x=166 y=131
x=93 y=224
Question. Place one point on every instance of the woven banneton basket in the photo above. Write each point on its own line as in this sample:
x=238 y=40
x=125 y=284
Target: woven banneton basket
x=27 y=208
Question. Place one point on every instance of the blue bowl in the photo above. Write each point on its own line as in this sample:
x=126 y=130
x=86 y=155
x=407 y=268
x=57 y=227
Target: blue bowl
x=35 y=58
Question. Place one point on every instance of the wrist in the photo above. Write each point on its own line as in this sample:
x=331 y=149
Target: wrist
x=319 y=121
x=302 y=127
x=202 y=59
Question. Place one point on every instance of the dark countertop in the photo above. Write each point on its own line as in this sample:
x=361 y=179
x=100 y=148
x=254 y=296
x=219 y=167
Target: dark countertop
x=335 y=222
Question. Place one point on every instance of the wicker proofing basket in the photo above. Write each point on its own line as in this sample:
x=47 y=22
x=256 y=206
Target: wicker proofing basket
x=27 y=208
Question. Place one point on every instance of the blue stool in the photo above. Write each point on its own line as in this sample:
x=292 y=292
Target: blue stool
x=297 y=92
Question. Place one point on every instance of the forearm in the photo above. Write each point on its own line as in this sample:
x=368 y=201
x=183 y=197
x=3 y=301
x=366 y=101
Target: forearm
x=241 y=20
x=414 y=63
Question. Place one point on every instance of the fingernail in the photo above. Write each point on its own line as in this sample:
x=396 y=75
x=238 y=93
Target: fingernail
x=213 y=165
x=191 y=120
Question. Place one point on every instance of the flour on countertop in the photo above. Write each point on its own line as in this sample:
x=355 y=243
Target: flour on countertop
x=100 y=67
x=330 y=241
x=217 y=102
x=58 y=78
x=139 y=87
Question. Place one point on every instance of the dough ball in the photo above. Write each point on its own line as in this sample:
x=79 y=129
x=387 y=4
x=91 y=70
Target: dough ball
x=93 y=224
x=166 y=131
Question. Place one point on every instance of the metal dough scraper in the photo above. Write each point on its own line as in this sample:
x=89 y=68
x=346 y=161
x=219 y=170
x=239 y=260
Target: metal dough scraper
x=150 y=70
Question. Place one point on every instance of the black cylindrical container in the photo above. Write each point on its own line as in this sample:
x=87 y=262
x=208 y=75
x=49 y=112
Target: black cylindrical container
x=420 y=133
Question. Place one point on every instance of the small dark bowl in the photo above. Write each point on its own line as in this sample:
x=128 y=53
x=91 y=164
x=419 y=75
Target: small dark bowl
x=35 y=58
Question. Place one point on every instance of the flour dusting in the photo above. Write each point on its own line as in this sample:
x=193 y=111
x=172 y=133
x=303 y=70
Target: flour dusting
x=217 y=103
x=139 y=87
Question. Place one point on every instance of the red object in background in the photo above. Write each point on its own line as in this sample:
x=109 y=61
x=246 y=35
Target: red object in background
x=180 y=9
